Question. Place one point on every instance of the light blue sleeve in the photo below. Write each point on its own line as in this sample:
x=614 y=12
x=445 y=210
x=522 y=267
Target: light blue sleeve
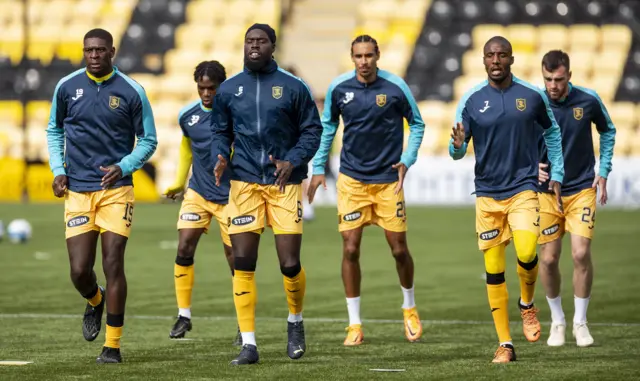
x=553 y=139
x=330 y=120
x=607 y=131
x=145 y=128
x=55 y=133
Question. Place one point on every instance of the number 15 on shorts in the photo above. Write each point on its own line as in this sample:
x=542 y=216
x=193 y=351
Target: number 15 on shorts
x=128 y=214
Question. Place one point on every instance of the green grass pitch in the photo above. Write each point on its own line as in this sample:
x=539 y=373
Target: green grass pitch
x=40 y=312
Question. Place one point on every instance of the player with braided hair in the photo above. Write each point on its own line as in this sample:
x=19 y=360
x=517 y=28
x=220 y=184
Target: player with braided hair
x=203 y=200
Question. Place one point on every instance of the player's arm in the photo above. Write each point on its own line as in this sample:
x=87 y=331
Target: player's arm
x=55 y=133
x=416 y=127
x=310 y=129
x=607 y=131
x=145 y=129
x=552 y=138
x=221 y=128
x=462 y=119
x=330 y=121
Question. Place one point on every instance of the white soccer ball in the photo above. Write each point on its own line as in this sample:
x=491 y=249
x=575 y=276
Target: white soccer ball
x=19 y=231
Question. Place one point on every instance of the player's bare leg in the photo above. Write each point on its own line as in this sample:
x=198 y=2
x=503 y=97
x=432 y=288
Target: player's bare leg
x=82 y=258
x=245 y=257
x=295 y=284
x=551 y=280
x=351 y=278
x=582 y=280
x=184 y=279
x=404 y=265
x=228 y=253
x=113 y=249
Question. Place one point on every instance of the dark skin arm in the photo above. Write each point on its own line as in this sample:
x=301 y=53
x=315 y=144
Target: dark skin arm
x=113 y=173
x=282 y=173
x=60 y=185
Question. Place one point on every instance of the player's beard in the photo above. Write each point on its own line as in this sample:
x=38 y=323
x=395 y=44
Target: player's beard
x=256 y=65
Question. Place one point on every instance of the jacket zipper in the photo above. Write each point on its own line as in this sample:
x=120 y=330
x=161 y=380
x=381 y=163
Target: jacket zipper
x=262 y=153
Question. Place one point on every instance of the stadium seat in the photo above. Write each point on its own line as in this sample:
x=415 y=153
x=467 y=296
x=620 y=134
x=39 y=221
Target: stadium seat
x=523 y=38
x=12 y=43
x=10 y=113
x=472 y=62
x=482 y=33
x=623 y=114
x=38 y=113
x=42 y=42
x=195 y=36
x=615 y=36
x=552 y=36
x=584 y=37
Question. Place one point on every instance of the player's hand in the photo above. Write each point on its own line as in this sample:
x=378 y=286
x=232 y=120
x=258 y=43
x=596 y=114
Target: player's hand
x=113 y=173
x=282 y=173
x=601 y=182
x=315 y=182
x=402 y=170
x=555 y=187
x=458 y=135
x=542 y=174
x=218 y=170
x=173 y=191
x=59 y=185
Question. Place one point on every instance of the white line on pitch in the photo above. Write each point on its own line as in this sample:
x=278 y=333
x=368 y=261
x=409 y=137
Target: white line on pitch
x=309 y=319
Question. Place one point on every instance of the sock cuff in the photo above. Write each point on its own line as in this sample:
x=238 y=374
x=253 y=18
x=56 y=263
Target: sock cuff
x=91 y=294
x=579 y=298
x=244 y=264
x=241 y=274
x=407 y=289
x=495 y=279
x=357 y=298
x=292 y=271
x=529 y=266
x=184 y=261
x=115 y=320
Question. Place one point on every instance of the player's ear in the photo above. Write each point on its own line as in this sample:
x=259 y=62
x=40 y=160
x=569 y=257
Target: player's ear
x=512 y=60
x=112 y=53
x=569 y=76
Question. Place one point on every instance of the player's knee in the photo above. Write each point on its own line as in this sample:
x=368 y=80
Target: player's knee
x=549 y=256
x=113 y=267
x=186 y=248
x=245 y=263
x=581 y=254
x=351 y=252
x=80 y=274
x=525 y=243
x=184 y=261
x=400 y=253
x=291 y=271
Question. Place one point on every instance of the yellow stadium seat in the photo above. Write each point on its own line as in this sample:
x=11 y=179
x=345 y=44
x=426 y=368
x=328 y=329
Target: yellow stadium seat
x=473 y=62
x=36 y=142
x=11 y=113
x=166 y=112
x=233 y=36
x=412 y=10
x=615 y=35
x=605 y=86
x=409 y=30
x=551 y=37
x=199 y=12
x=623 y=142
x=435 y=113
x=38 y=113
x=269 y=11
x=180 y=86
x=12 y=43
x=183 y=61
x=523 y=38
x=195 y=36
x=150 y=83
x=11 y=142
x=622 y=113
x=86 y=10
x=464 y=83
x=43 y=42
x=581 y=63
x=584 y=37
x=482 y=33
x=11 y=12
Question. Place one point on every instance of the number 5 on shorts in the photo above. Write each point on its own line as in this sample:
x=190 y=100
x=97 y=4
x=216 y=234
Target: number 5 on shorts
x=128 y=214
x=299 y=212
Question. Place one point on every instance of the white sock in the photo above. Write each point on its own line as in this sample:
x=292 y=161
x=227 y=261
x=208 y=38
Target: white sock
x=523 y=304
x=249 y=338
x=353 y=306
x=409 y=298
x=557 y=315
x=580 y=314
x=185 y=312
x=506 y=342
x=294 y=318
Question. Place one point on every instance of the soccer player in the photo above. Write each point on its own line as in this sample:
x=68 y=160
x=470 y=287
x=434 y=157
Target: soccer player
x=203 y=200
x=96 y=115
x=575 y=108
x=502 y=115
x=373 y=104
x=272 y=120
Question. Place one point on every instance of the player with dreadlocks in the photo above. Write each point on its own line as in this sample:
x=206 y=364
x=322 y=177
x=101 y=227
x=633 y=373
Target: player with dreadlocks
x=203 y=200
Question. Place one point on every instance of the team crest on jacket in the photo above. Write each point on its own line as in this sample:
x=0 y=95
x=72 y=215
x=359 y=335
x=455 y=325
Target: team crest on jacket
x=114 y=102
x=381 y=99
x=276 y=92
x=521 y=104
x=578 y=112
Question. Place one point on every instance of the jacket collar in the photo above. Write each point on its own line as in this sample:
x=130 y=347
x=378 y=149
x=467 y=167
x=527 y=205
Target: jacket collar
x=102 y=80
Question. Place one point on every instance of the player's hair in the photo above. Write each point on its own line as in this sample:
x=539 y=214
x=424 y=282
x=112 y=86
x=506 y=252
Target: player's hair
x=212 y=69
x=554 y=59
x=499 y=40
x=365 y=38
x=101 y=34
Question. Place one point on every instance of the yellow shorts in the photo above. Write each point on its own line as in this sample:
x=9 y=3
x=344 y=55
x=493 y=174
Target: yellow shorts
x=496 y=219
x=104 y=210
x=196 y=213
x=361 y=204
x=579 y=215
x=250 y=204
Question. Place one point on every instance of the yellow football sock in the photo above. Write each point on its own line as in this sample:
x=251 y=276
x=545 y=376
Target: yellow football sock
x=96 y=299
x=295 y=288
x=112 y=337
x=525 y=243
x=184 y=278
x=245 y=299
x=494 y=263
